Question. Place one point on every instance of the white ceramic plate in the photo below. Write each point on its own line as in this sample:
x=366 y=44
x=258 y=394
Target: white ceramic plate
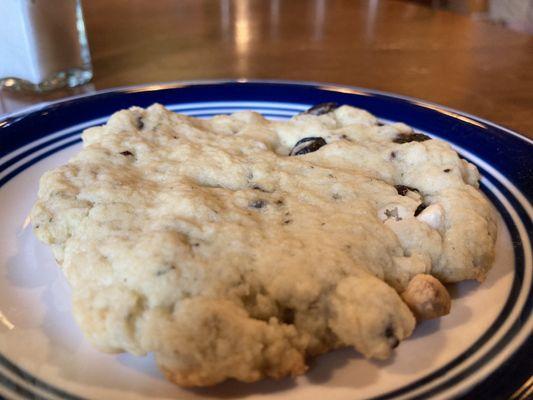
x=43 y=353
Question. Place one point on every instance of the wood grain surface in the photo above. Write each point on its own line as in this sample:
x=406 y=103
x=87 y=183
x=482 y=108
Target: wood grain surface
x=400 y=47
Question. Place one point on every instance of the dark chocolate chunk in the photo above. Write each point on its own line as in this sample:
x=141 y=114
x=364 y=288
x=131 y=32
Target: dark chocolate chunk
x=287 y=316
x=391 y=337
x=447 y=170
x=402 y=189
x=287 y=221
x=279 y=202
x=322 y=108
x=126 y=153
x=257 y=187
x=258 y=203
x=420 y=208
x=410 y=137
x=140 y=122
x=307 y=145
x=164 y=271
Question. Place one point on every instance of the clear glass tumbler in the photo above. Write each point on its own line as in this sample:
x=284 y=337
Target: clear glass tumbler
x=43 y=45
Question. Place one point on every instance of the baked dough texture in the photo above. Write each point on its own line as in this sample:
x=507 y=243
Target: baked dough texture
x=231 y=248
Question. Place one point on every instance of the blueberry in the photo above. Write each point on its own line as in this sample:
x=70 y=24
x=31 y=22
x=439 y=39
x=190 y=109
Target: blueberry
x=410 y=137
x=402 y=189
x=307 y=145
x=322 y=108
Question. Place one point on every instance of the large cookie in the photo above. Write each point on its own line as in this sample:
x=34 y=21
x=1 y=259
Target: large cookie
x=235 y=247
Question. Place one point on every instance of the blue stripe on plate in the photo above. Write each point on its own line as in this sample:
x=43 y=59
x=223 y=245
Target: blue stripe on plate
x=206 y=113
x=32 y=150
x=30 y=380
x=21 y=168
x=18 y=390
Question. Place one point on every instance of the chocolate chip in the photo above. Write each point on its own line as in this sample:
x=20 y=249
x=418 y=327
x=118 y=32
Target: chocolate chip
x=126 y=153
x=287 y=316
x=410 y=137
x=391 y=337
x=381 y=124
x=402 y=189
x=393 y=155
x=140 y=122
x=164 y=271
x=420 y=208
x=447 y=170
x=287 y=221
x=279 y=202
x=307 y=145
x=257 y=187
x=257 y=203
x=322 y=108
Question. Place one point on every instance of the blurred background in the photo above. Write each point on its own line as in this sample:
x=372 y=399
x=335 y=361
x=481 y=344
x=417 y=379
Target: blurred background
x=473 y=55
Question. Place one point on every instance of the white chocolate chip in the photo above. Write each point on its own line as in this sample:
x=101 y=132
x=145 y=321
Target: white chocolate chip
x=393 y=211
x=433 y=216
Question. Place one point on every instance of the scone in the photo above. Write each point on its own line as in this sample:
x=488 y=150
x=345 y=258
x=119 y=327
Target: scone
x=236 y=247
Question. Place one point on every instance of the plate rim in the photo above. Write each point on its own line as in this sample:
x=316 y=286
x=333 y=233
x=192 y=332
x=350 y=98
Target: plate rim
x=154 y=86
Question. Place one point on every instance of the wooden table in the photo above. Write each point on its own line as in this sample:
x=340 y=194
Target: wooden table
x=475 y=66
x=394 y=46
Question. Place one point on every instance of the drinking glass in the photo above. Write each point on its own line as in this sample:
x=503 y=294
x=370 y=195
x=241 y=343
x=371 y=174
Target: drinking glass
x=43 y=45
